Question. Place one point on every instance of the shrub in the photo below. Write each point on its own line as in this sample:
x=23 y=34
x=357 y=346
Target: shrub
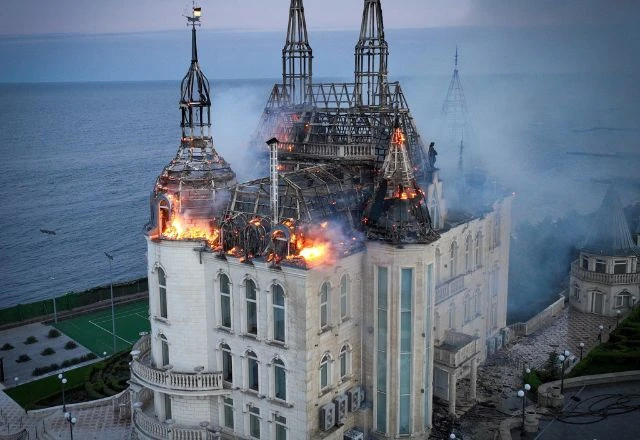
x=53 y=333
x=47 y=351
x=23 y=358
x=70 y=345
x=6 y=347
x=31 y=340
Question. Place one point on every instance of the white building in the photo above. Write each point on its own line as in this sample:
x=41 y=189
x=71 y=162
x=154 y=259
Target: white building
x=322 y=302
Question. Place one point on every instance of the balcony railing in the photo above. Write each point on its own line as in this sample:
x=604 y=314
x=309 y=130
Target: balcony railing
x=603 y=278
x=449 y=288
x=456 y=349
x=152 y=428
x=166 y=380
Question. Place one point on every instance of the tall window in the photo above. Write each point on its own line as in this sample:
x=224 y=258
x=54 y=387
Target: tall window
x=167 y=406
x=252 y=371
x=345 y=361
x=225 y=301
x=453 y=259
x=381 y=385
x=406 y=308
x=601 y=266
x=165 y=350
x=228 y=413
x=279 y=380
x=227 y=363
x=452 y=316
x=281 y=427
x=477 y=302
x=325 y=371
x=438 y=264
x=254 y=422
x=162 y=291
x=344 y=297
x=467 y=254
x=468 y=310
x=478 y=256
x=252 y=307
x=585 y=263
x=277 y=299
x=620 y=266
x=496 y=231
x=324 y=306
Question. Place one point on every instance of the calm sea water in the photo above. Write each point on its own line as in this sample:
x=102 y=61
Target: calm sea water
x=82 y=158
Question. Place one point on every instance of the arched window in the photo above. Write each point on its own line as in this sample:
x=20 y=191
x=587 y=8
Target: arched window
x=623 y=299
x=468 y=310
x=325 y=371
x=252 y=371
x=345 y=361
x=225 y=301
x=162 y=292
x=277 y=298
x=324 y=306
x=279 y=380
x=227 y=363
x=252 y=307
x=453 y=259
x=468 y=264
x=345 y=286
x=164 y=360
x=478 y=252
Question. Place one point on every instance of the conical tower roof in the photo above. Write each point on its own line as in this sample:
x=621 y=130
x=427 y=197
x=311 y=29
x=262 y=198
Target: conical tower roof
x=297 y=56
x=609 y=233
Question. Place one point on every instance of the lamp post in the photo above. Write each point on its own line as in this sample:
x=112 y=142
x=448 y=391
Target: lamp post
x=600 y=329
x=51 y=232
x=562 y=358
x=72 y=421
x=523 y=394
x=617 y=317
x=452 y=436
x=63 y=382
x=581 y=347
x=113 y=311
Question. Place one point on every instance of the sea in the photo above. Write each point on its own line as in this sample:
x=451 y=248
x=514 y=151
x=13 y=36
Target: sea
x=81 y=158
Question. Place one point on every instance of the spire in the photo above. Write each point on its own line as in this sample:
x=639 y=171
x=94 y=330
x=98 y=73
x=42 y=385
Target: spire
x=371 y=55
x=195 y=103
x=297 y=56
x=609 y=234
x=397 y=211
x=454 y=111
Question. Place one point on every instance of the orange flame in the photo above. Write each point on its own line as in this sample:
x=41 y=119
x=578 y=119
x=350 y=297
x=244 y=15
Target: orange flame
x=191 y=229
x=398 y=136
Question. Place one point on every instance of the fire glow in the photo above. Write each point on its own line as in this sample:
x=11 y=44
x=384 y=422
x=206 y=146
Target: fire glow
x=180 y=228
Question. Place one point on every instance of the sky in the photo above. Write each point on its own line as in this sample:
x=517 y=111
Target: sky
x=29 y=17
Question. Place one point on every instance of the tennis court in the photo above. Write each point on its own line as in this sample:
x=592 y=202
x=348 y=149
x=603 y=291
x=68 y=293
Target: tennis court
x=93 y=330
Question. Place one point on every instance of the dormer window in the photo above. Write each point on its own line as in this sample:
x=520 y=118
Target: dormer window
x=601 y=266
x=620 y=266
x=585 y=263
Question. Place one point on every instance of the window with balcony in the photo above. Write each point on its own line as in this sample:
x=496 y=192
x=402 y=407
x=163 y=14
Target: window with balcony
x=601 y=266
x=325 y=372
x=278 y=307
x=345 y=286
x=252 y=371
x=228 y=413
x=345 y=361
x=324 y=306
x=281 y=427
x=252 y=307
x=254 y=421
x=162 y=292
x=227 y=363
x=279 y=380
x=225 y=301
x=620 y=266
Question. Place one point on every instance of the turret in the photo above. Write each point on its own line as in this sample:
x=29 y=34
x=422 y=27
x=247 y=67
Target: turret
x=297 y=57
x=371 y=56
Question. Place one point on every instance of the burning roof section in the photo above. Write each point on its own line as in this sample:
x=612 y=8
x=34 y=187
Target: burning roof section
x=193 y=188
x=609 y=234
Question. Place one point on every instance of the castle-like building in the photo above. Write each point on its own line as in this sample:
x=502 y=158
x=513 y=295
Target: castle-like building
x=334 y=298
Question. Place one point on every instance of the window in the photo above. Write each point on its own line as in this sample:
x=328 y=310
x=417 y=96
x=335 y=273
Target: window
x=167 y=406
x=344 y=297
x=406 y=308
x=281 y=427
x=325 y=373
x=620 y=266
x=277 y=294
x=477 y=300
x=478 y=250
x=468 y=309
x=252 y=371
x=324 y=306
x=165 y=350
x=162 y=290
x=585 y=263
x=496 y=231
x=345 y=361
x=576 y=292
x=453 y=259
x=252 y=307
x=623 y=299
x=438 y=263
x=228 y=413
x=254 y=422
x=601 y=266
x=227 y=363
x=452 y=316
x=467 y=254
x=382 y=348
x=225 y=301
x=279 y=380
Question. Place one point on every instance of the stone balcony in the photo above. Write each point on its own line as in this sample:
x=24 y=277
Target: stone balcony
x=148 y=427
x=168 y=381
x=449 y=288
x=456 y=349
x=603 y=278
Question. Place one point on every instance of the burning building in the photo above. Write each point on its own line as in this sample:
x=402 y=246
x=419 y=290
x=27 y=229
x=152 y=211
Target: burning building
x=333 y=298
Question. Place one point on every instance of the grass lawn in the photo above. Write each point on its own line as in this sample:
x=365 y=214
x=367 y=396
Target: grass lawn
x=93 y=330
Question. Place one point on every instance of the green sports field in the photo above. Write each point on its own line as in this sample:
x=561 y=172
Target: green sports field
x=93 y=330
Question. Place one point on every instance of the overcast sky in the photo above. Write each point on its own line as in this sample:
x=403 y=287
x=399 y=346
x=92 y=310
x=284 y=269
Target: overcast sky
x=28 y=17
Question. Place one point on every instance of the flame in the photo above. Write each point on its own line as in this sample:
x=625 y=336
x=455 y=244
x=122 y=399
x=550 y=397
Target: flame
x=315 y=253
x=398 y=136
x=181 y=228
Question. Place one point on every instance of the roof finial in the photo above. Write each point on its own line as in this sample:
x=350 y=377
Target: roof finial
x=456 y=64
x=194 y=20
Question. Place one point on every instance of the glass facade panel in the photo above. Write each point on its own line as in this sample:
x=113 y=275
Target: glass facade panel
x=381 y=364
x=406 y=300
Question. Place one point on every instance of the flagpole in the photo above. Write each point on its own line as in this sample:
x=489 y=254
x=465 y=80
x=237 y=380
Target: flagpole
x=113 y=311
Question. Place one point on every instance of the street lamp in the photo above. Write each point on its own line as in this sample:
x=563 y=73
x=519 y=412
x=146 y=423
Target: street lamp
x=452 y=436
x=617 y=317
x=113 y=311
x=72 y=421
x=581 y=347
x=600 y=329
x=63 y=381
x=562 y=359
x=523 y=394
x=51 y=232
